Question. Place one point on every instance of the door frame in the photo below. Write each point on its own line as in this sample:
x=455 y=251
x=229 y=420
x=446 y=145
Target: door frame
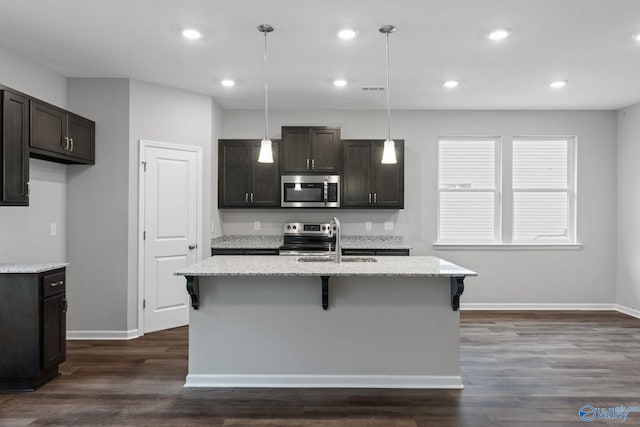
x=143 y=145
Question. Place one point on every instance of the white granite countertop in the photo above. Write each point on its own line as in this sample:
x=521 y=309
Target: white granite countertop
x=273 y=242
x=9 y=268
x=239 y=265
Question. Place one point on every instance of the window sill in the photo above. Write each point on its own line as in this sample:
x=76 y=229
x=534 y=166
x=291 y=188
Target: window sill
x=506 y=246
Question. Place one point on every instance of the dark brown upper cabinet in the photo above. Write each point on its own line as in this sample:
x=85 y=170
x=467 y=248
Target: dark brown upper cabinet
x=310 y=149
x=14 y=149
x=366 y=182
x=242 y=181
x=60 y=136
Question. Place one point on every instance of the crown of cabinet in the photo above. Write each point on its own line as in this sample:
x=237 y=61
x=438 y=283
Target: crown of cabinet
x=310 y=150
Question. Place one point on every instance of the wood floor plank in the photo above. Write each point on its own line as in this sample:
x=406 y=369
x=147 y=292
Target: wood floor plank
x=519 y=369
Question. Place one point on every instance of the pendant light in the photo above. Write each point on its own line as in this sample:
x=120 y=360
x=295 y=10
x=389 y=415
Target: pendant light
x=389 y=151
x=266 y=152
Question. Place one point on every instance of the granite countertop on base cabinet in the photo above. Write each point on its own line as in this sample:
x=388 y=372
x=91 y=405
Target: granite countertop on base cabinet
x=18 y=268
x=274 y=242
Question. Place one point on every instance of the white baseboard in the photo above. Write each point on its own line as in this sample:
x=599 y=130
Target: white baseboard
x=323 y=381
x=537 y=306
x=628 y=311
x=551 y=306
x=102 y=335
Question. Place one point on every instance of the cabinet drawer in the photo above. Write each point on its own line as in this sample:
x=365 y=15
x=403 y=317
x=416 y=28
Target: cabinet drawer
x=53 y=283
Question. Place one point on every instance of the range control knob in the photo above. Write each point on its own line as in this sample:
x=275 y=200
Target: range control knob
x=294 y=227
x=288 y=227
x=334 y=228
x=324 y=227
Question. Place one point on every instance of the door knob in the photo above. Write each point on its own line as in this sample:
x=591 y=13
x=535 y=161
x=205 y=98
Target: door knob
x=192 y=247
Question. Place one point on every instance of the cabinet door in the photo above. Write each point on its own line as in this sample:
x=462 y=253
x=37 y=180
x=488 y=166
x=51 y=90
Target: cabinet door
x=296 y=150
x=325 y=143
x=48 y=128
x=357 y=173
x=14 y=157
x=54 y=311
x=265 y=179
x=82 y=138
x=388 y=180
x=233 y=173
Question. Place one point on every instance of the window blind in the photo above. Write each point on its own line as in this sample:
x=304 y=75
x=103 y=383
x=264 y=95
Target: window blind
x=542 y=193
x=467 y=187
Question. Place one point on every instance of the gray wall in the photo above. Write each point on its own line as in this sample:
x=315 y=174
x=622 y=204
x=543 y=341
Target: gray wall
x=97 y=210
x=25 y=232
x=505 y=276
x=628 y=283
x=163 y=114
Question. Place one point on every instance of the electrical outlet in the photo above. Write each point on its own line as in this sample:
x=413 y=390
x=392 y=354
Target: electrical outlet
x=367 y=225
x=54 y=229
x=388 y=225
x=256 y=225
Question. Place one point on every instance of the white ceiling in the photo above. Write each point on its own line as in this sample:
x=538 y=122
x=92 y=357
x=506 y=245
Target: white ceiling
x=587 y=42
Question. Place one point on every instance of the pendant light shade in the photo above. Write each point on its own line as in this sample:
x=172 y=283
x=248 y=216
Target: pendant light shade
x=389 y=151
x=266 y=150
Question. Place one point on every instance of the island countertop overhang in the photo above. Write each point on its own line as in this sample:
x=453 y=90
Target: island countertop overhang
x=257 y=265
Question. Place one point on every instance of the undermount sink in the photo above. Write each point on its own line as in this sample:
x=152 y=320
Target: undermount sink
x=332 y=259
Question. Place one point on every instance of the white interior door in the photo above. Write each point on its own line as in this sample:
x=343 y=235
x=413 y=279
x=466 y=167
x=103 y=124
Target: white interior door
x=170 y=233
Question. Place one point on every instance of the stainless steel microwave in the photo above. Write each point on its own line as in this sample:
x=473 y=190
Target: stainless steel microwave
x=310 y=191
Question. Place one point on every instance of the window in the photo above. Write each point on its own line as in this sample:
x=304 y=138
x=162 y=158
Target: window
x=469 y=202
x=539 y=203
x=543 y=190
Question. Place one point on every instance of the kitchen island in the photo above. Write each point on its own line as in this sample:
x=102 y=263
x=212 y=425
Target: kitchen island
x=264 y=321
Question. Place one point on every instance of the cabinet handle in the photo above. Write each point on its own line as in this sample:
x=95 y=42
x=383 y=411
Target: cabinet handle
x=71 y=140
x=246 y=197
x=251 y=197
x=66 y=138
x=375 y=197
x=56 y=284
x=307 y=164
x=64 y=307
x=369 y=197
x=313 y=164
x=28 y=188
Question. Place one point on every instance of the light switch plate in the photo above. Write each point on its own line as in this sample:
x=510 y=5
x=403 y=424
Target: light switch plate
x=367 y=225
x=256 y=225
x=388 y=225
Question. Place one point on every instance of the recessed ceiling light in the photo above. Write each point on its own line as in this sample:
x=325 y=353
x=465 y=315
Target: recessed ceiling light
x=340 y=82
x=636 y=37
x=559 y=84
x=347 y=33
x=450 y=84
x=499 y=34
x=191 y=34
x=227 y=82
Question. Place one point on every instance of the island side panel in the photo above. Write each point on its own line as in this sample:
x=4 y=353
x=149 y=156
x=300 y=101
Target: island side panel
x=272 y=331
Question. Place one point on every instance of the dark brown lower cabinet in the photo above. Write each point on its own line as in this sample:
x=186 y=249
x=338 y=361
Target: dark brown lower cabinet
x=241 y=251
x=376 y=252
x=33 y=309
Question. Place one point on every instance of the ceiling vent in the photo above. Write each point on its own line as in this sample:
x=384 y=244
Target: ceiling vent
x=372 y=88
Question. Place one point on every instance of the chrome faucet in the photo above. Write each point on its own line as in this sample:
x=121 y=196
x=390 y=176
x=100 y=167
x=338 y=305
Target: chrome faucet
x=335 y=226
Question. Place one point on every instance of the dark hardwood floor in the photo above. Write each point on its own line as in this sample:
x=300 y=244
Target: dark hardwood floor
x=519 y=369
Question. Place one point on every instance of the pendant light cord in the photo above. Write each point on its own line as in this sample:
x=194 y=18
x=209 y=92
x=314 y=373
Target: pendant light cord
x=388 y=94
x=266 y=90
